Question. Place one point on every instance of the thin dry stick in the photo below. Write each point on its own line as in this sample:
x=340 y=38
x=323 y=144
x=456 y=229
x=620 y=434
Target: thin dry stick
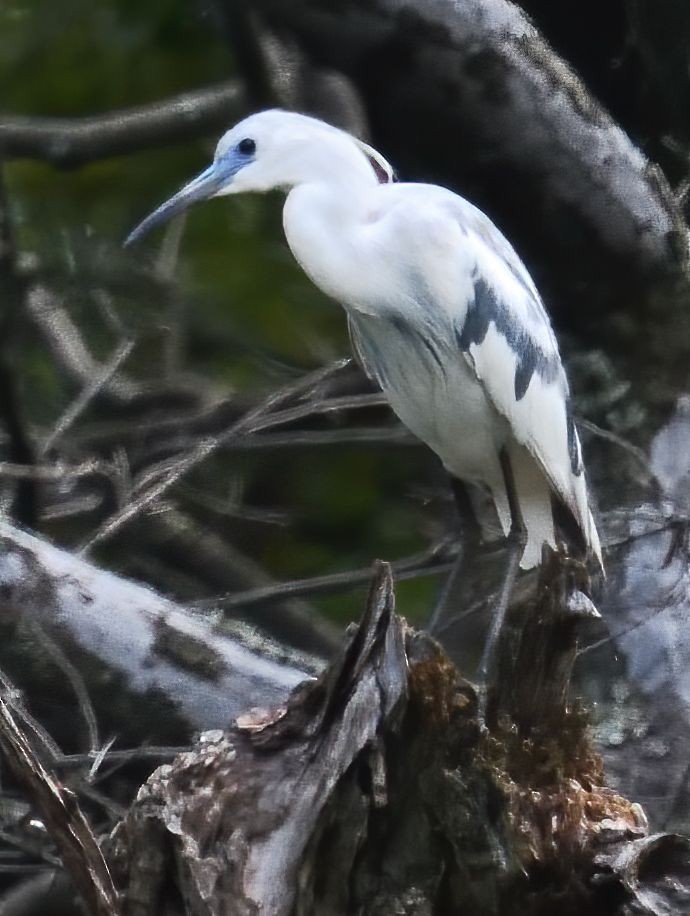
x=50 y=751
x=233 y=507
x=349 y=435
x=87 y=394
x=655 y=612
x=60 y=812
x=20 y=869
x=150 y=752
x=99 y=758
x=54 y=472
x=425 y=563
x=29 y=847
x=132 y=509
x=114 y=809
x=14 y=699
x=67 y=345
x=75 y=679
x=182 y=440
x=208 y=419
x=255 y=420
x=629 y=447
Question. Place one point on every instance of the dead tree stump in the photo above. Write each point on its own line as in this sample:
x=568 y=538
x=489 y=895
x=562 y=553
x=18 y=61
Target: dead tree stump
x=373 y=791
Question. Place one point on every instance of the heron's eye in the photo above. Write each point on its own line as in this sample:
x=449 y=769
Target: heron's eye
x=246 y=146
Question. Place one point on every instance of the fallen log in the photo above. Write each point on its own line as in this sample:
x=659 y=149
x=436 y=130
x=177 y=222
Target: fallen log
x=124 y=637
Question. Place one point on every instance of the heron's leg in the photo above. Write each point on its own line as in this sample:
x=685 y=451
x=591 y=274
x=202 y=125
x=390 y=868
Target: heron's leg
x=471 y=528
x=471 y=534
x=517 y=539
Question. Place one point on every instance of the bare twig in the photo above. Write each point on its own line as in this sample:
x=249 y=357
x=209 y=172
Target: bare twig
x=63 y=819
x=54 y=472
x=68 y=346
x=257 y=419
x=438 y=559
x=139 y=505
x=232 y=440
x=40 y=737
x=70 y=508
x=22 y=869
x=25 y=845
x=232 y=507
x=181 y=431
x=644 y=621
x=99 y=758
x=361 y=435
x=75 y=679
x=114 y=810
x=86 y=396
x=69 y=142
x=76 y=761
x=609 y=436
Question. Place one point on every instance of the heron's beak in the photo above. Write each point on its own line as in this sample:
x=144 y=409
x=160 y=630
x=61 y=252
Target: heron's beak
x=205 y=185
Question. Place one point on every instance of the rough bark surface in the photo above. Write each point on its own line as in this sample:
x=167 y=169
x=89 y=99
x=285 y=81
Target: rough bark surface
x=373 y=790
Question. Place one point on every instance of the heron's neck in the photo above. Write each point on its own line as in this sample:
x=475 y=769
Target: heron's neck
x=333 y=201
x=321 y=221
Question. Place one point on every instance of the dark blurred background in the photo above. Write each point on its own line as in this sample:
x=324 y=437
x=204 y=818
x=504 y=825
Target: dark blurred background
x=177 y=338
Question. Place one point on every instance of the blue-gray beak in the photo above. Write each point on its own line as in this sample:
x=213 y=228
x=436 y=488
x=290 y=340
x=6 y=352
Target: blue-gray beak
x=206 y=185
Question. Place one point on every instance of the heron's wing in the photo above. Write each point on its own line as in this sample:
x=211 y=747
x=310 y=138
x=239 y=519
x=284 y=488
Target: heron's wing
x=506 y=336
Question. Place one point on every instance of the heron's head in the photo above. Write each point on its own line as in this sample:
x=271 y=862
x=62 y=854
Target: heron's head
x=274 y=149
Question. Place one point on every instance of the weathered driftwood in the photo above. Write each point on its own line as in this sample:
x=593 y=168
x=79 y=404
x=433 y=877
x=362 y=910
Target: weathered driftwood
x=372 y=790
x=153 y=647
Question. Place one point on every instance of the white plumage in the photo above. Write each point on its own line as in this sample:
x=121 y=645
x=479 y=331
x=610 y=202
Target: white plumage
x=442 y=312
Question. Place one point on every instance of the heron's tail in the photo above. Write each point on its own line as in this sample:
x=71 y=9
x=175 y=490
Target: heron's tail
x=594 y=543
x=536 y=497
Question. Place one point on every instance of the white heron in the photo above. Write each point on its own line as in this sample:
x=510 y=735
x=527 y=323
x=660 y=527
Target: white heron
x=443 y=314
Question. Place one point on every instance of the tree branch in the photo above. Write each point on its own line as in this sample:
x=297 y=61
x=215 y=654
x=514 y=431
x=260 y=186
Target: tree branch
x=70 y=142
